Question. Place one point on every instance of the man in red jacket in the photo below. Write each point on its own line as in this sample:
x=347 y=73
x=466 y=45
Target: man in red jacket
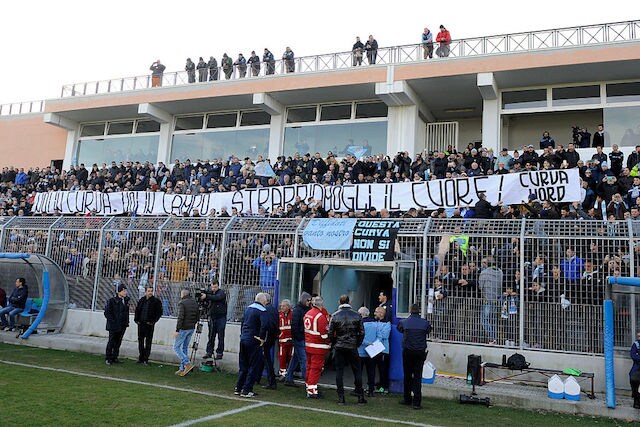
x=317 y=344
x=444 y=39
x=286 y=346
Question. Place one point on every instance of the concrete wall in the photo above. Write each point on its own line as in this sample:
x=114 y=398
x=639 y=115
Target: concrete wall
x=527 y=129
x=26 y=141
x=92 y=323
x=469 y=130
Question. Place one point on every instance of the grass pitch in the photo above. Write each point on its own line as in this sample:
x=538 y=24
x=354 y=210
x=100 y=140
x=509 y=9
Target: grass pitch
x=91 y=393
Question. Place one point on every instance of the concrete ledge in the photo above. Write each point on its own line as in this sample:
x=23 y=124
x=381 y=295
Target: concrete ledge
x=532 y=398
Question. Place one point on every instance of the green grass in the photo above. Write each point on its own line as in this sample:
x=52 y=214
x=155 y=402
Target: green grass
x=67 y=399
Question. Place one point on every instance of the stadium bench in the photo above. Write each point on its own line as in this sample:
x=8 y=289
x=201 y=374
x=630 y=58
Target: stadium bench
x=548 y=373
x=26 y=316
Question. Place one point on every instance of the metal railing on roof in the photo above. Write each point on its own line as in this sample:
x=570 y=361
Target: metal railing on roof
x=498 y=44
x=25 y=107
x=490 y=45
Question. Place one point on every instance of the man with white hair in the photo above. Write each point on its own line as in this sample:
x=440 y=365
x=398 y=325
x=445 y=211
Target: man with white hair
x=317 y=344
x=253 y=333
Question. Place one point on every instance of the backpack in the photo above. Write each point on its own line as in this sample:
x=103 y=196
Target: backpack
x=517 y=362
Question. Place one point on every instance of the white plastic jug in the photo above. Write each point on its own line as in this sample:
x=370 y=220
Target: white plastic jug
x=571 y=389
x=428 y=373
x=555 y=386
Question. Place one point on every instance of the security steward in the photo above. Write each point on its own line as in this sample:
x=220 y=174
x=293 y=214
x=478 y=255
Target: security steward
x=346 y=332
x=317 y=344
x=414 y=330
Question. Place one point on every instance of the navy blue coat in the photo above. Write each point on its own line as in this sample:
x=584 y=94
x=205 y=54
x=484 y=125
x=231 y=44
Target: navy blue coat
x=273 y=329
x=18 y=297
x=635 y=356
x=117 y=314
x=414 y=330
x=254 y=323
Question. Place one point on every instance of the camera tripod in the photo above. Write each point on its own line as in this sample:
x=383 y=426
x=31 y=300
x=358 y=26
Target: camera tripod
x=197 y=335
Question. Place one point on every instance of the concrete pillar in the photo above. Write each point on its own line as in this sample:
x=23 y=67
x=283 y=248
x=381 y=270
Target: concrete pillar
x=407 y=117
x=405 y=130
x=73 y=133
x=276 y=131
x=166 y=129
x=491 y=126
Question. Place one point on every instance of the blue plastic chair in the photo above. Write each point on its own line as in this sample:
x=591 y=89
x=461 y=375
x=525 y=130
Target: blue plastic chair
x=27 y=308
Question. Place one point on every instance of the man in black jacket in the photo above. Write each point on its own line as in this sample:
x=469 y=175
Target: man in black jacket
x=16 y=303
x=346 y=333
x=188 y=315
x=414 y=330
x=297 y=337
x=217 y=318
x=117 y=313
x=483 y=209
x=148 y=312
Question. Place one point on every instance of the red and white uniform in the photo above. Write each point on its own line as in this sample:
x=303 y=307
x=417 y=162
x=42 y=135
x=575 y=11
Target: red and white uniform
x=317 y=344
x=284 y=339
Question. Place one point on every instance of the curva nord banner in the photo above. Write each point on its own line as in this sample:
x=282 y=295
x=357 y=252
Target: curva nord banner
x=553 y=185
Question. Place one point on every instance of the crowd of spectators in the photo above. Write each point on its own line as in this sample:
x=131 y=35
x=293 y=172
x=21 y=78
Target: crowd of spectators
x=610 y=185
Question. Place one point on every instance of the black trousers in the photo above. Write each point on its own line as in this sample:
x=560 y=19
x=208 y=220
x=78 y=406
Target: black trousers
x=217 y=326
x=113 y=345
x=348 y=357
x=145 y=336
x=370 y=364
x=634 y=392
x=267 y=362
x=382 y=363
x=412 y=362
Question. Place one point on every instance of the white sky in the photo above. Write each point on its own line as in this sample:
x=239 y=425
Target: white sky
x=50 y=43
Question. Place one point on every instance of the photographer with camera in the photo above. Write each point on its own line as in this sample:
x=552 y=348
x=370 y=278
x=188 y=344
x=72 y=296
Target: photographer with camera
x=216 y=298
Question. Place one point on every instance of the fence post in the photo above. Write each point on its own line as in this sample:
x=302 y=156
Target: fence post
x=296 y=247
x=3 y=231
x=96 y=280
x=223 y=250
x=156 y=264
x=423 y=293
x=632 y=268
x=523 y=225
x=47 y=250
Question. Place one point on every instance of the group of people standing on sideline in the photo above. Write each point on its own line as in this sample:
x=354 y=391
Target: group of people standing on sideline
x=306 y=334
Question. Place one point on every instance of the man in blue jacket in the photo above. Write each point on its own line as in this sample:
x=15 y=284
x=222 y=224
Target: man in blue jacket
x=634 y=373
x=414 y=330
x=273 y=331
x=253 y=333
x=17 y=301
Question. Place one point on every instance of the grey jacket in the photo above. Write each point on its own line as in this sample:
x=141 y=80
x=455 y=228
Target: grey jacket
x=490 y=283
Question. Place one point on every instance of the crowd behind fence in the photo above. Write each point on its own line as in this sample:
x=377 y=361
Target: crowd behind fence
x=550 y=298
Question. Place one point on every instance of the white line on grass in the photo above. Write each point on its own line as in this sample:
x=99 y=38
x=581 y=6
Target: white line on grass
x=220 y=415
x=221 y=396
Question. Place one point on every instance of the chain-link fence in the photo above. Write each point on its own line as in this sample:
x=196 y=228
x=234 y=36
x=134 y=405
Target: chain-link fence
x=526 y=284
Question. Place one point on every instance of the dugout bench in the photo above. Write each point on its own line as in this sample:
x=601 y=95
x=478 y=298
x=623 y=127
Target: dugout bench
x=518 y=374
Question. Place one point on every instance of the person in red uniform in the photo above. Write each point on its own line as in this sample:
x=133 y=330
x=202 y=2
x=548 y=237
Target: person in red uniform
x=286 y=346
x=444 y=39
x=317 y=344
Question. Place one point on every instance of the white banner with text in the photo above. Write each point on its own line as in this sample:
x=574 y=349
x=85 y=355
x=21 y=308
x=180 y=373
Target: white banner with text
x=554 y=185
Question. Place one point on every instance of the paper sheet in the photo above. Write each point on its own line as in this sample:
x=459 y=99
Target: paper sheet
x=374 y=349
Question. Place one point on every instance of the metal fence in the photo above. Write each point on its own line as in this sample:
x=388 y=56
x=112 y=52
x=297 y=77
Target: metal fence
x=489 y=45
x=521 y=283
x=24 y=107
